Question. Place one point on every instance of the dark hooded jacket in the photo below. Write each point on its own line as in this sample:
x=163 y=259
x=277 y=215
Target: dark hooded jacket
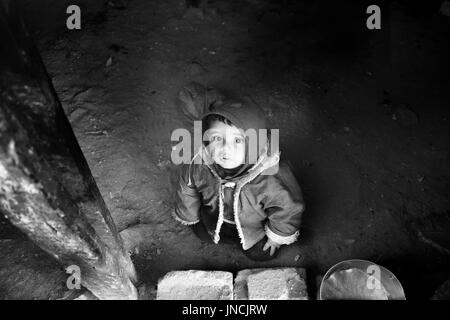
x=260 y=199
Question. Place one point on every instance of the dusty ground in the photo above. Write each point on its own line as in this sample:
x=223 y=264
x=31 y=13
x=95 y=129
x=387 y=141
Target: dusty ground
x=368 y=140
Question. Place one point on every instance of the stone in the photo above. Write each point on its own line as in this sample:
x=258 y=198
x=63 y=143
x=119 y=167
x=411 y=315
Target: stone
x=271 y=284
x=196 y=285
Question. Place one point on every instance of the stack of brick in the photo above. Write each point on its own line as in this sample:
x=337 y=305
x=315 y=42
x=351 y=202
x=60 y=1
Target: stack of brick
x=250 y=284
x=196 y=285
x=271 y=284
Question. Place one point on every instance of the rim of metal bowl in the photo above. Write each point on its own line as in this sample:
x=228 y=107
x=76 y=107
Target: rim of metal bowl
x=390 y=283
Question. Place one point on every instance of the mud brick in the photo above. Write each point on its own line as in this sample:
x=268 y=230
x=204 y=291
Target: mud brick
x=271 y=284
x=196 y=285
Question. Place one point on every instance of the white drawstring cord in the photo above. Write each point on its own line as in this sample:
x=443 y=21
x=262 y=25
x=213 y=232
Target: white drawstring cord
x=190 y=164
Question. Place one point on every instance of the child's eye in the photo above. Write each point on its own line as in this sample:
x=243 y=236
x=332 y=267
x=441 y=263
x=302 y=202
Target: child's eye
x=216 y=138
x=239 y=140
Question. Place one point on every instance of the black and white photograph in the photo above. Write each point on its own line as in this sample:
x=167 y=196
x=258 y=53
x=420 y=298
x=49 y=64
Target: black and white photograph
x=214 y=152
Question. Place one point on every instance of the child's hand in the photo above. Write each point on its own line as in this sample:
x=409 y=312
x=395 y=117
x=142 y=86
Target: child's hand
x=272 y=245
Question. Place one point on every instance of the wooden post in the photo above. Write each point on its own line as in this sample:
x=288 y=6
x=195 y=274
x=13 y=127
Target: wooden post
x=46 y=187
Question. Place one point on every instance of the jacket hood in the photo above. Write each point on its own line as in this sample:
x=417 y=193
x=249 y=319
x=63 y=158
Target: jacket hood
x=242 y=114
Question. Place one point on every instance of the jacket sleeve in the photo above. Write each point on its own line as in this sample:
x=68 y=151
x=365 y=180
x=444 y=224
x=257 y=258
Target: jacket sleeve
x=187 y=198
x=284 y=207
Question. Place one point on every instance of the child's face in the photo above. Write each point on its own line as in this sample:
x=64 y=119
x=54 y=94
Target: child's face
x=226 y=145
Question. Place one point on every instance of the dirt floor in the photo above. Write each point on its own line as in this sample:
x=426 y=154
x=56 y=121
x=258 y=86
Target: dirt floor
x=363 y=117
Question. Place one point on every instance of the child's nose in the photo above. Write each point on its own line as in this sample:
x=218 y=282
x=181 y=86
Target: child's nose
x=227 y=144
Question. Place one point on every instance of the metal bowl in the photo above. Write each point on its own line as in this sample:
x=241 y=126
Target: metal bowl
x=387 y=279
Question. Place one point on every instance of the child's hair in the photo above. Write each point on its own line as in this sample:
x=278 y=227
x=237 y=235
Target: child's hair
x=208 y=121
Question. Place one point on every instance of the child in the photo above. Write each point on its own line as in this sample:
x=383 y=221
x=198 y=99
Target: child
x=227 y=198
